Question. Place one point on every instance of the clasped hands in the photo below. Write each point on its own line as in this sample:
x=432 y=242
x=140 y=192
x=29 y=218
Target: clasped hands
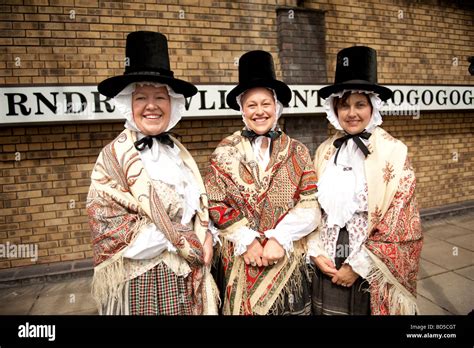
x=258 y=255
x=343 y=276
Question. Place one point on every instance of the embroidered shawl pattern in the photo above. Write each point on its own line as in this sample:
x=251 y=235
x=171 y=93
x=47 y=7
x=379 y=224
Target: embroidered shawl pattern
x=394 y=239
x=242 y=194
x=121 y=200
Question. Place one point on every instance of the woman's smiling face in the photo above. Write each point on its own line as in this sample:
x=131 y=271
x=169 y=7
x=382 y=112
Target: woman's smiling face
x=354 y=112
x=258 y=106
x=151 y=109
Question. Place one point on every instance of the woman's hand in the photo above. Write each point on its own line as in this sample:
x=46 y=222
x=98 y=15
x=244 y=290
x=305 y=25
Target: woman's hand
x=325 y=265
x=208 y=249
x=345 y=276
x=253 y=255
x=272 y=252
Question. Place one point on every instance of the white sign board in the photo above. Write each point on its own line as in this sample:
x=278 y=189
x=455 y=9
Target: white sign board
x=72 y=103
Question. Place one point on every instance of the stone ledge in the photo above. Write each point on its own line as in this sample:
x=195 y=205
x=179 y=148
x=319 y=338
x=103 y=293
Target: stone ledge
x=45 y=273
x=446 y=211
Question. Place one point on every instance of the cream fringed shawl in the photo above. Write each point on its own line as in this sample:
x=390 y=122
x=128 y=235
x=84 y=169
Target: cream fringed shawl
x=394 y=234
x=121 y=200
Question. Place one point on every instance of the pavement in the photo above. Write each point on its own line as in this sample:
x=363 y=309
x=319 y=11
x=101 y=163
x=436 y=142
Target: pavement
x=445 y=280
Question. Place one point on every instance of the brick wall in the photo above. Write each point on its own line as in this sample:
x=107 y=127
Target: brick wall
x=45 y=172
x=301 y=38
x=441 y=149
x=297 y=128
x=417 y=42
x=42 y=192
x=81 y=41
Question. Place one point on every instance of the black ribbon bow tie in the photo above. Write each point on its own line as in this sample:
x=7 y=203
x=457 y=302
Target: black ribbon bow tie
x=163 y=138
x=251 y=135
x=356 y=137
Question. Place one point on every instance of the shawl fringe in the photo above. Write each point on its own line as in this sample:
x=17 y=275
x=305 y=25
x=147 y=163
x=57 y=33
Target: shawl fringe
x=293 y=287
x=108 y=280
x=211 y=295
x=400 y=300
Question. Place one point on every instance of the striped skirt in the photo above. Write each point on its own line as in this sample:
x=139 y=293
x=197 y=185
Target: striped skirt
x=332 y=299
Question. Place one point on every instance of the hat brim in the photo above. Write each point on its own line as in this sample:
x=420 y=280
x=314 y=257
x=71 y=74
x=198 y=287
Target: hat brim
x=283 y=92
x=113 y=85
x=383 y=92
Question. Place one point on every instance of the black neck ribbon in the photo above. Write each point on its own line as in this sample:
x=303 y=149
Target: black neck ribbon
x=357 y=139
x=251 y=135
x=163 y=138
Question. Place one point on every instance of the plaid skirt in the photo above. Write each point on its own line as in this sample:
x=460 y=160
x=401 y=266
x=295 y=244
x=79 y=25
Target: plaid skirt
x=332 y=299
x=159 y=292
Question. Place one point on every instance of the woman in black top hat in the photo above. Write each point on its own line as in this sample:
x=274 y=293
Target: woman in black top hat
x=261 y=188
x=367 y=248
x=147 y=205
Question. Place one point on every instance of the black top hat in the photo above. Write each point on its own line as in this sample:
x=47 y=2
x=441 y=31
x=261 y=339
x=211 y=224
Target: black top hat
x=256 y=69
x=356 y=69
x=147 y=60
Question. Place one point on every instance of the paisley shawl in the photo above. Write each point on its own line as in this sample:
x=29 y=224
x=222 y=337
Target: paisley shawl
x=240 y=194
x=121 y=200
x=394 y=238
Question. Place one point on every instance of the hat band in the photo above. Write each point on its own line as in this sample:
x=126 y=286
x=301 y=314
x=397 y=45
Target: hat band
x=362 y=82
x=153 y=73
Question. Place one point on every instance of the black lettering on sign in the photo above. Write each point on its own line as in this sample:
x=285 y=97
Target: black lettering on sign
x=51 y=106
x=98 y=101
x=466 y=101
x=395 y=94
x=202 y=94
x=409 y=100
x=300 y=97
x=222 y=98
x=12 y=103
x=458 y=96
x=442 y=101
x=423 y=97
x=72 y=107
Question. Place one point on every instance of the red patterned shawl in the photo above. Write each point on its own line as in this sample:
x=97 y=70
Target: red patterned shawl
x=242 y=194
x=121 y=200
x=395 y=238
